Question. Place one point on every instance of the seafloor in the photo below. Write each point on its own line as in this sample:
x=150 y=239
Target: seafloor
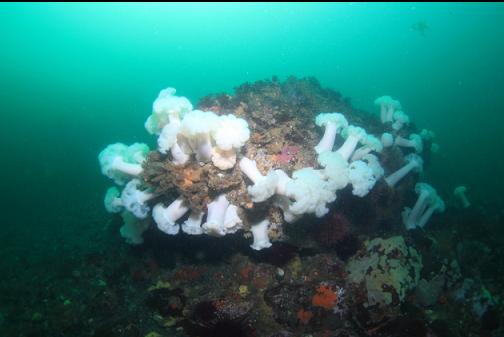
x=354 y=272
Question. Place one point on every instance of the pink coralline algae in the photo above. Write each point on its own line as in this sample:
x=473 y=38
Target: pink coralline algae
x=287 y=154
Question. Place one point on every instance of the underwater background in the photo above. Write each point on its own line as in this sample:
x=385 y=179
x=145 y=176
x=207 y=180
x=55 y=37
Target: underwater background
x=76 y=77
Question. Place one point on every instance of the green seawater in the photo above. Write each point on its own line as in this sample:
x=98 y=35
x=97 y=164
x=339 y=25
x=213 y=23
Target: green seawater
x=76 y=77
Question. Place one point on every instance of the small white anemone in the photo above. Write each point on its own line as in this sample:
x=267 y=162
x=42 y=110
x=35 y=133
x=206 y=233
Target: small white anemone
x=214 y=224
x=260 y=235
x=133 y=228
x=333 y=122
x=335 y=170
x=460 y=194
x=197 y=127
x=388 y=106
x=361 y=177
x=230 y=135
x=169 y=140
x=426 y=194
x=427 y=135
x=135 y=200
x=387 y=139
x=166 y=217
x=354 y=135
x=264 y=186
x=284 y=203
x=310 y=192
x=166 y=108
x=414 y=163
x=112 y=200
x=369 y=144
x=414 y=141
x=232 y=221
x=400 y=119
x=374 y=164
x=192 y=225
x=120 y=162
x=437 y=206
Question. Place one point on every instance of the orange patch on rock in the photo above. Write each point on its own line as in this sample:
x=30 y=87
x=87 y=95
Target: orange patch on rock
x=245 y=272
x=190 y=176
x=325 y=298
x=304 y=316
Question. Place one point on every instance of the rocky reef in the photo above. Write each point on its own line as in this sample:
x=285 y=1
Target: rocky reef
x=343 y=229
